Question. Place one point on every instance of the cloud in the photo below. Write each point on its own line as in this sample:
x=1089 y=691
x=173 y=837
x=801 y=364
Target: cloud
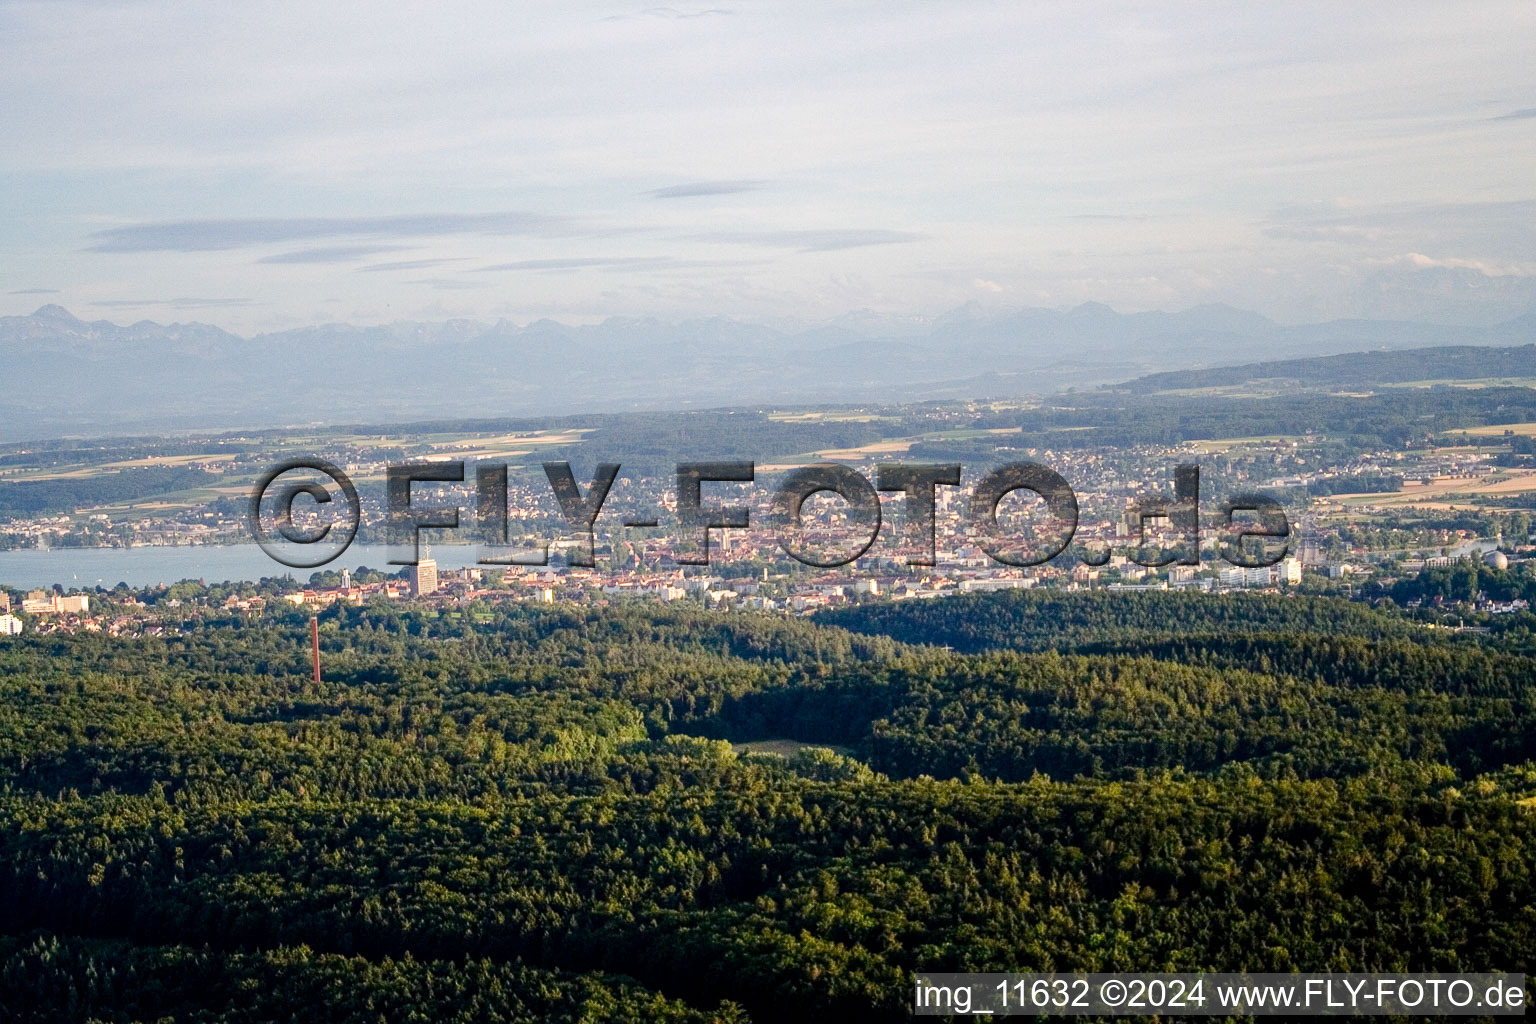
x=332 y=254
x=409 y=264
x=448 y=284
x=1487 y=268
x=183 y=303
x=813 y=241
x=1323 y=232
x=35 y=291
x=1490 y=227
x=576 y=264
x=271 y=132
x=704 y=188
x=1414 y=286
x=210 y=303
x=672 y=14
x=207 y=235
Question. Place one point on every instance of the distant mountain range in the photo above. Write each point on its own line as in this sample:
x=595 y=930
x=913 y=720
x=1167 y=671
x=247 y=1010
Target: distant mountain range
x=64 y=376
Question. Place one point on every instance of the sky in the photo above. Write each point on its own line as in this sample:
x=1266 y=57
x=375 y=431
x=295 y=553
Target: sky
x=270 y=165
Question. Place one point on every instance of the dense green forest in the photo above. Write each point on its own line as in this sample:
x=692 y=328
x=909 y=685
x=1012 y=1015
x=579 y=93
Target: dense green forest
x=552 y=813
x=1396 y=419
x=1358 y=369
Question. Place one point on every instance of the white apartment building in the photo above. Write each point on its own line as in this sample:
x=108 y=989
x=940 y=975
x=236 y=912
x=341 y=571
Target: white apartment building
x=424 y=578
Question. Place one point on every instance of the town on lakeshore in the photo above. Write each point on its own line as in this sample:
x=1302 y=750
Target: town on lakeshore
x=1383 y=499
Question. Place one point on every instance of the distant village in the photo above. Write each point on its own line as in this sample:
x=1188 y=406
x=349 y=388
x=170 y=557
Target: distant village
x=156 y=610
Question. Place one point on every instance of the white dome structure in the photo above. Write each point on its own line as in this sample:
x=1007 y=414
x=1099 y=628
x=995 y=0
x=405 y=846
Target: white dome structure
x=1496 y=560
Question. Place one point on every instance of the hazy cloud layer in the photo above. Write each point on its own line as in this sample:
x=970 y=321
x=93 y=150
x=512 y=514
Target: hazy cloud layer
x=673 y=13
x=449 y=284
x=1504 y=228
x=704 y=188
x=577 y=264
x=205 y=235
x=182 y=303
x=813 y=241
x=331 y=254
x=902 y=158
x=410 y=264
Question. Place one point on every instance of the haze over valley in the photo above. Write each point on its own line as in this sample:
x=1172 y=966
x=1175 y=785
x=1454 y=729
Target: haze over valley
x=68 y=377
